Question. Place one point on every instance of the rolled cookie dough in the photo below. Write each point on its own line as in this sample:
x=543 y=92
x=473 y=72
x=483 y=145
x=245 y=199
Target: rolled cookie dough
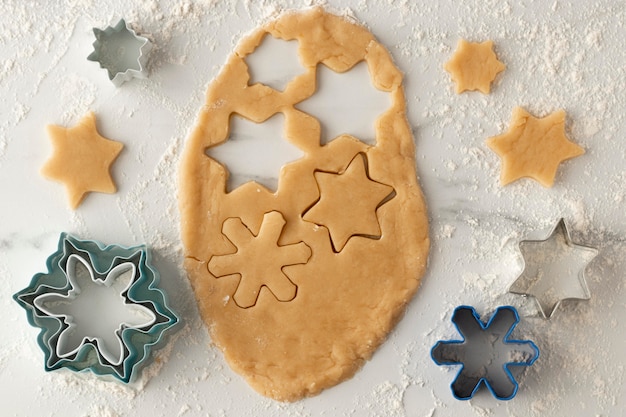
x=347 y=299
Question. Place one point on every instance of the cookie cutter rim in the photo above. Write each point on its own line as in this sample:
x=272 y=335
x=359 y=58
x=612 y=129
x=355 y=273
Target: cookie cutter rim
x=118 y=78
x=81 y=361
x=562 y=227
x=111 y=276
x=484 y=326
x=138 y=343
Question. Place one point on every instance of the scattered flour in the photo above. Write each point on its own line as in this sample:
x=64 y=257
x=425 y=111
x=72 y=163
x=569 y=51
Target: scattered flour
x=558 y=55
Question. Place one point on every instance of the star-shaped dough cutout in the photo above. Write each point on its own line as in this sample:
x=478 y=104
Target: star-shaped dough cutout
x=554 y=270
x=348 y=202
x=474 y=66
x=259 y=260
x=533 y=147
x=81 y=159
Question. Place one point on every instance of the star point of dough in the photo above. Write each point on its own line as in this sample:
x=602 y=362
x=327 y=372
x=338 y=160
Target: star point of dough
x=259 y=259
x=82 y=159
x=348 y=203
x=533 y=147
x=474 y=66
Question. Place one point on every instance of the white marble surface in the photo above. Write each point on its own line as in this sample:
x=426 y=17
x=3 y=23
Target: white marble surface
x=558 y=54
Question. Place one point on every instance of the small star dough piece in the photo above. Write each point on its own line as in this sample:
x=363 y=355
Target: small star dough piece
x=474 y=66
x=349 y=297
x=533 y=147
x=81 y=159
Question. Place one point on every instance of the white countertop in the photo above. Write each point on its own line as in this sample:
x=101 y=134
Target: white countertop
x=558 y=54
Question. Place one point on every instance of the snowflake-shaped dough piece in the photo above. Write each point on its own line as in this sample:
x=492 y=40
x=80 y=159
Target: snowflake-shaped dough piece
x=259 y=260
x=485 y=353
x=533 y=147
x=348 y=203
x=73 y=328
x=474 y=66
x=82 y=159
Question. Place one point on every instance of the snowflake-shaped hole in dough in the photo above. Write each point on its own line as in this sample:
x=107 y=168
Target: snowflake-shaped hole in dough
x=275 y=62
x=346 y=103
x=255 y=151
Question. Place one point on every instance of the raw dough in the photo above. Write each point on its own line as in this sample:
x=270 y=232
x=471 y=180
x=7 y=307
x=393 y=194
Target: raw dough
x=251 y=262
x=346 y=300
x=533 y=147
x=338 y=191
x=82 y=159
x=474 y=66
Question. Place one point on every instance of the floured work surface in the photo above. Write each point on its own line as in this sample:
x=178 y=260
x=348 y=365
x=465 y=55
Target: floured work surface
x=299 y=286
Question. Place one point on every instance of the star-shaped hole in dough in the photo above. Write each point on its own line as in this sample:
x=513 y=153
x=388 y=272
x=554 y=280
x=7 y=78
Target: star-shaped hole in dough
x=81 y=159
x=247 y=140
x=533 y=147
x=474 y=66
x=346 y=103
x=95 y=310
x=259 y=260
x=348 y=203
x=554 y=270
x=275 y=63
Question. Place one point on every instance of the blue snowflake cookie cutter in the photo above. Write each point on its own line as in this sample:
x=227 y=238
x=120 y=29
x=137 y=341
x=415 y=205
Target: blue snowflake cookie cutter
x=485 y=353
x=58 y=287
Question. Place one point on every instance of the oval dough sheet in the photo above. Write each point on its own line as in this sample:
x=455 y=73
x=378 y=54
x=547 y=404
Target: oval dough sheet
x=344 y=300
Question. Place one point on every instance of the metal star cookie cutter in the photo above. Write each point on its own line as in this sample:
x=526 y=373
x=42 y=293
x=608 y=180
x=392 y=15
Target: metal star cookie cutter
x=50 y=295
x=485 y=353
x=120 y=51
x=547 y=265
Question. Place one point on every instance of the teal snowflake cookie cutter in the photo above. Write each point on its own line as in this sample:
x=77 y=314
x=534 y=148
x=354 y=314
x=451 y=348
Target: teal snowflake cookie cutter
x=81 y=261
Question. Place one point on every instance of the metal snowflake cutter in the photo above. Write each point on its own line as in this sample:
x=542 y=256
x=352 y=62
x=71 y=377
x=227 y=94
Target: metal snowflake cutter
x=485 y=353
x=98 y=308
x=120 y=51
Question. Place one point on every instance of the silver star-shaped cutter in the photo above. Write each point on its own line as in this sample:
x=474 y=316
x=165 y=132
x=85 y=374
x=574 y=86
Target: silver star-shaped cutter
x=120 y=51
x=554 y=270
